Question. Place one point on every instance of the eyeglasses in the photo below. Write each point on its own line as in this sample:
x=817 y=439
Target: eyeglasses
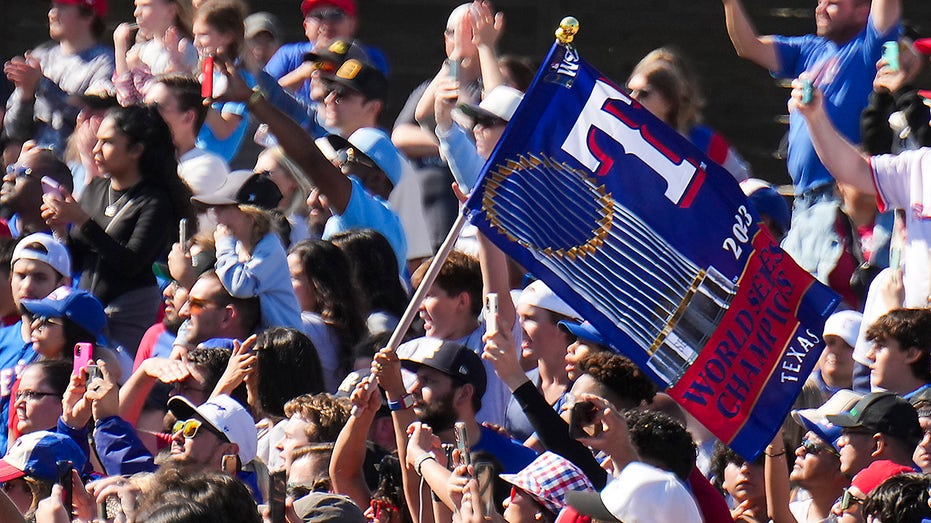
x=190 y=428
x=22 y=172
x=349 y=155
x=30 y=395
x=848 y=500
x=327 y=15
x=487 y=121
x=812 y=447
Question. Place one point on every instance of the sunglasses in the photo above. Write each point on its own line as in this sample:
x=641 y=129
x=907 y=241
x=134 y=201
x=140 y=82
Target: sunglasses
x=848 y=500
x=812 y=447
x=349 y=156
x=487 y=121
x=200 y=304
x=22 y=172
x=341 y=93
x=190 y=428
x=45 y=321
x=328 y=15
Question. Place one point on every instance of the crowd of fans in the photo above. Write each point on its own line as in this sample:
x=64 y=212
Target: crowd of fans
x=207 y=241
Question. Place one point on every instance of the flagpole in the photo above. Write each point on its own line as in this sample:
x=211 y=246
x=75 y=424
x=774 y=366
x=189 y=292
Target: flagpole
x=568 y=27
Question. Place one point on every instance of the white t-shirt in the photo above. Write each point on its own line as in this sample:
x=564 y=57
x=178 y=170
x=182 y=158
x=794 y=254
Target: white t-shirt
x=900 y=184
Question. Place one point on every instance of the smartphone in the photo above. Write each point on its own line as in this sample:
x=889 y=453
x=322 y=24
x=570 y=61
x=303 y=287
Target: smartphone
x=206 y=81
x=462 y=443
x=452 y=68
x=891 y=55
x=490 y=312
x=67 y=486
x=276 y=493
x=485 y=475
x=182 y=233
x=582 y=420
x=50 y=186
x=808 y=91
x=83 y=355
x=93 y=372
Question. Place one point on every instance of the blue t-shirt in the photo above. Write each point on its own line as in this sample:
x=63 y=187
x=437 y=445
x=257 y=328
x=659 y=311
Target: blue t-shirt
x=846 y=85
x=227 y=148
x=512 y=455
x=367 y=211
x=15 y=354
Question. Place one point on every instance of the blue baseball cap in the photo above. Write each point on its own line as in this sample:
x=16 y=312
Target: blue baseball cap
x=80 y=307
x=35 y=454
x=377 y=145
x=584 y=331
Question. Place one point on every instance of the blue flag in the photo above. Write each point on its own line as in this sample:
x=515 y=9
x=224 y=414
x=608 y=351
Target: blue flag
x=657 y=247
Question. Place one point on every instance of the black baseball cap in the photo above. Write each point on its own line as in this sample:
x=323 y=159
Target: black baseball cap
x=338 y=52
x=452 y=359
x=882 y=412
x=244 y=187
x=360 y=76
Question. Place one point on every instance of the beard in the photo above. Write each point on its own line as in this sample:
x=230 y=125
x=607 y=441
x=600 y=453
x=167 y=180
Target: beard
x=440 y=414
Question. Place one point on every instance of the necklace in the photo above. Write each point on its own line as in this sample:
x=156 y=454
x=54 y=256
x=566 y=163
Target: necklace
x=113 y=206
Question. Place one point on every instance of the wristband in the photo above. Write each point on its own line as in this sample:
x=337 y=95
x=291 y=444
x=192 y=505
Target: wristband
x=418 y=464
x=406 y=402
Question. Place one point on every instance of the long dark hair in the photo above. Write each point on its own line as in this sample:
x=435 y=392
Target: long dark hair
x=328 y=270
x=157 y=165
x=375 y=268
x=288 y=367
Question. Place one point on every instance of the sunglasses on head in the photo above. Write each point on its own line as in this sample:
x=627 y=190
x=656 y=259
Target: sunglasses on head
x=349 y=156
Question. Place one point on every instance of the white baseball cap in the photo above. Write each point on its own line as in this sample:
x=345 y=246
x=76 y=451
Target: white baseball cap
x=639 y=494
x=540 y=295
x=225 y=415
x=501 y=102
x=845 y=325
x=49 y=250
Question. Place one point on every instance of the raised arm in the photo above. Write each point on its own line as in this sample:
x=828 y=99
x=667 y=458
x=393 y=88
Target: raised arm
x=760 y=50
x=885 y=14
x=297 y=144
x=841 y=158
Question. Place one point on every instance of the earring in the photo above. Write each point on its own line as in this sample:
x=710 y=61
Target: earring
x=538 y=516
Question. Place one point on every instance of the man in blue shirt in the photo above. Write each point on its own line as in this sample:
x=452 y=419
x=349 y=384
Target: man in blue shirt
x=841 y=60
x=40 y=265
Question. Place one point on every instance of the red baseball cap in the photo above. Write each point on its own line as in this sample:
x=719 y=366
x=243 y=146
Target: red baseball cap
x=99 y=7
x=923 y=45
x=346 y=6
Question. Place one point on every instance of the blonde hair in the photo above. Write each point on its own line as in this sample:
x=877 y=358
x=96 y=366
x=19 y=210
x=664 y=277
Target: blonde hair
x=261 y=224
x=304 y=185
x=667 y=71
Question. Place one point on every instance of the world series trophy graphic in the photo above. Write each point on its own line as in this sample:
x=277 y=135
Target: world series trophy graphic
x=663 y=301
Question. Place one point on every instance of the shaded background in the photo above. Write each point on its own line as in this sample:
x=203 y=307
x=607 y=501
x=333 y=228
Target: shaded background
x=743 y=101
